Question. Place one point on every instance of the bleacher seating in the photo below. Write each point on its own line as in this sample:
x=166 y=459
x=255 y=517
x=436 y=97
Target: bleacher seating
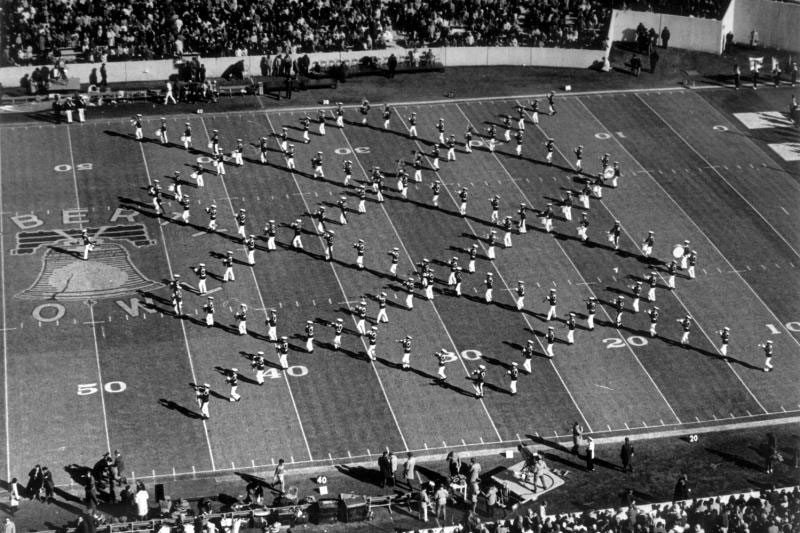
x=116 y=30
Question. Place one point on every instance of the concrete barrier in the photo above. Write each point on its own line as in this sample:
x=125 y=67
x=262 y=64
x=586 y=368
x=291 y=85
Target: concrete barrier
x=777 y=23
x=702 y=35
x=160 y=70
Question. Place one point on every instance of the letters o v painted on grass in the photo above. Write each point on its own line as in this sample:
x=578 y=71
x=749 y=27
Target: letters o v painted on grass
x=357 y=149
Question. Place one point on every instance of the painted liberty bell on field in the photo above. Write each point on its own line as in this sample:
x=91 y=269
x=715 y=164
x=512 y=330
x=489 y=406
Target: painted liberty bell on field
x=107 y=271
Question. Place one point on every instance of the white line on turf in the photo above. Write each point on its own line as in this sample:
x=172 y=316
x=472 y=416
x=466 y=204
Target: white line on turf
x=734 y=189
x=5 y=328
x=100 y=388
x=91 y=305
x=660 y=275
x=183 y=326
x=699 y=229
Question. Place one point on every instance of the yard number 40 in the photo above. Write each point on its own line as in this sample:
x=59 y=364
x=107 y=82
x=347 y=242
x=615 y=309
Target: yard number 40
x=85 y=389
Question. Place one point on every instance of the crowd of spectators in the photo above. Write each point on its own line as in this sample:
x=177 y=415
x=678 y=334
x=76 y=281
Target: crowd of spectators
x=36 y=31
x=773 y=511
x=707 y=9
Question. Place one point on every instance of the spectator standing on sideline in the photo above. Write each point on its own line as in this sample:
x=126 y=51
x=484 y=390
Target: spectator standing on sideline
x=91 y=498
x=119 y=464
x=440 y=498
x=13 y=495
x=590 y=454
x=409 y=470
x=577 y=435
x=772 y=454
x=279 y=477
x=48 y=484
x=665 y=37
x=474 y=471
x=682 y=489
x=35 y=480
x=9 y=527
x=393 y=467
x=454 y=463
x=636 y=65
x=385 y=468
x=141 y=500
x=424 y=503
x=626 y=455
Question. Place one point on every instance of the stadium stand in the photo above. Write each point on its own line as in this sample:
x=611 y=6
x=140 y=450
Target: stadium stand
x=48 y=31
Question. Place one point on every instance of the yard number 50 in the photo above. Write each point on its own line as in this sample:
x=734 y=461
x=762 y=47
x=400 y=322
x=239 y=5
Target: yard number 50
x=86 y=389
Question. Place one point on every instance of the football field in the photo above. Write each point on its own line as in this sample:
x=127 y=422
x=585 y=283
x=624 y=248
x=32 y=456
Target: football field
x=94 y=357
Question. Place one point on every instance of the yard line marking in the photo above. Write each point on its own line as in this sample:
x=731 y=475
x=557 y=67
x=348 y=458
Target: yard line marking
x=91 y=305
x=344 y=293
x=5 y=327
x=183 y=326
x=502 y=279
x=734 y=189
x=699 y=229
x=408 y=255
x=784 y=210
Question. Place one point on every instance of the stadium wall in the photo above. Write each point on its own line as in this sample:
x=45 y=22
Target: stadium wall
x=777 y=23
x=698 y=34
x=129 y=71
